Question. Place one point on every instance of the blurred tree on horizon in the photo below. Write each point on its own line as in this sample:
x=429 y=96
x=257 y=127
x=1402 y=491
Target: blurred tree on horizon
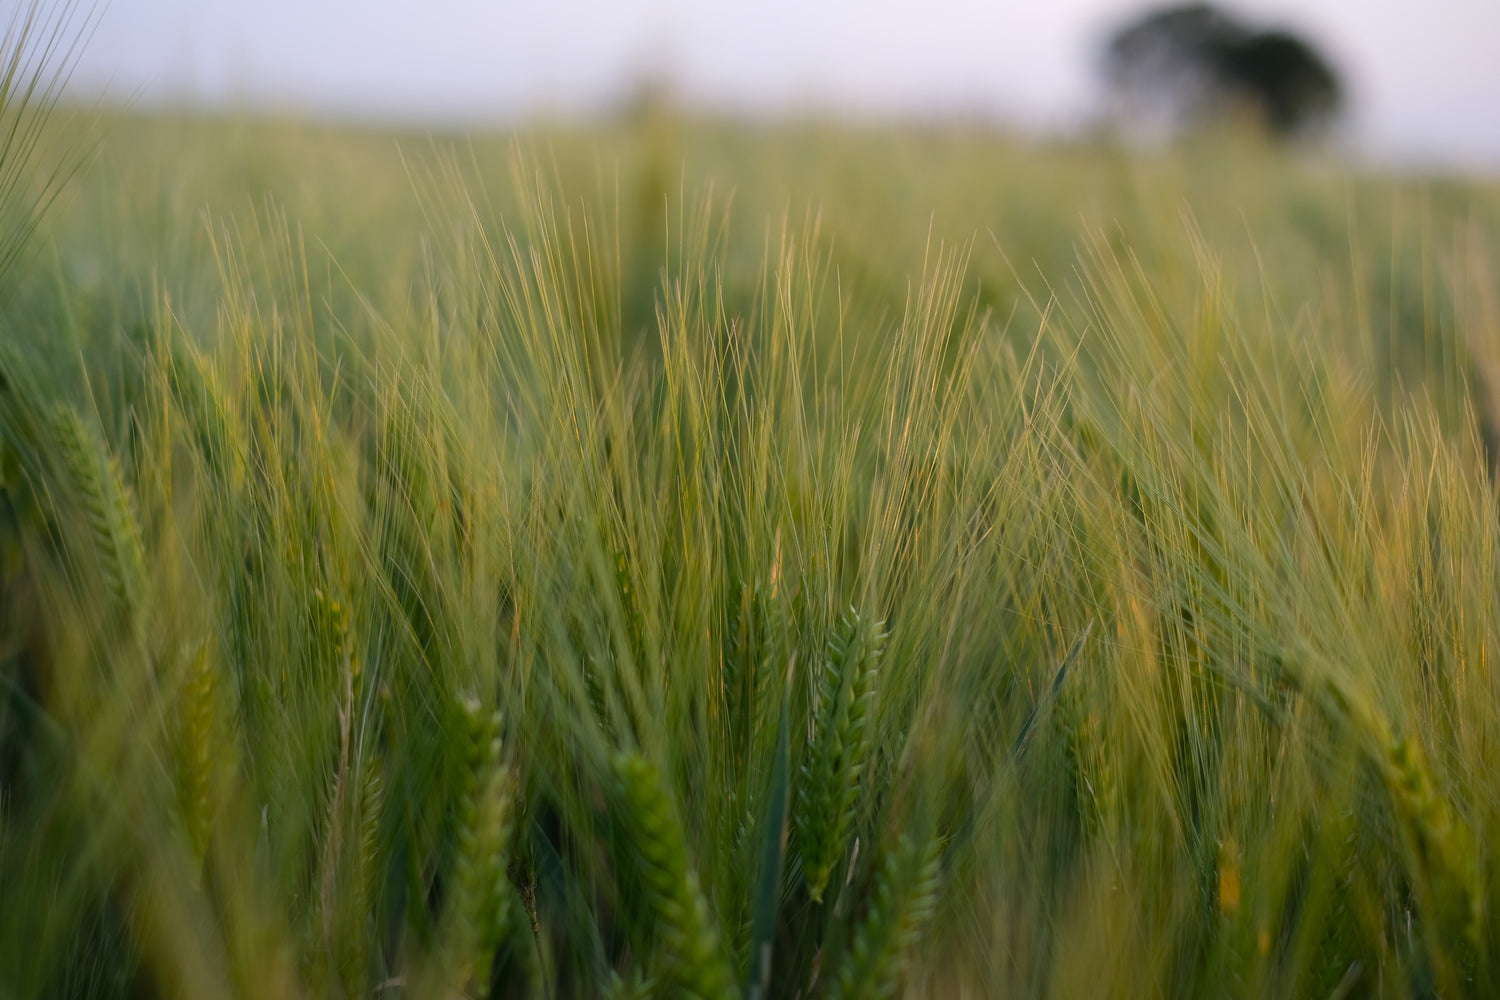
x=1183 y=66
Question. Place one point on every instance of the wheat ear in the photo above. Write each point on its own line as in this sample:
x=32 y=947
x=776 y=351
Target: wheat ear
x=903 y=898
x=477 y=914
x=99 y=488
x=693 y=963
x=829 y=785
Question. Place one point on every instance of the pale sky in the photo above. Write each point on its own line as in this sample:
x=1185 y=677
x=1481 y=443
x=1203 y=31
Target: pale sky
x=1424 y=74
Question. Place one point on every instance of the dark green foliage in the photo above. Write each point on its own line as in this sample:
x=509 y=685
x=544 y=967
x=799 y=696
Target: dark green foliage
x=1202 y=62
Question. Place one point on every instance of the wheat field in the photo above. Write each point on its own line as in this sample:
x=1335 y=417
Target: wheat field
x=684 y=557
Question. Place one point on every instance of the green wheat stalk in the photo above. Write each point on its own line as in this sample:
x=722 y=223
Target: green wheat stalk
x=477 y=914
x=199 y=732
x=882 y=942
x=829 y=786
x=692 y=961
x=99 y=488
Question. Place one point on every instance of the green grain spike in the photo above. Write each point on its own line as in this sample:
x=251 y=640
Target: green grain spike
x=100 y=490
x=477 y=917
x=902 y=900
x=693 y=963
x=829 y=786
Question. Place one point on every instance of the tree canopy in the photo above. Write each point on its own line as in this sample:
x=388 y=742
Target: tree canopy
x=1189 y=64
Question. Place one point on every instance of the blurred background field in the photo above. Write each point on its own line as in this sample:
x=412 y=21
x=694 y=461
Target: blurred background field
x=673 y=553
x=1376 y=263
